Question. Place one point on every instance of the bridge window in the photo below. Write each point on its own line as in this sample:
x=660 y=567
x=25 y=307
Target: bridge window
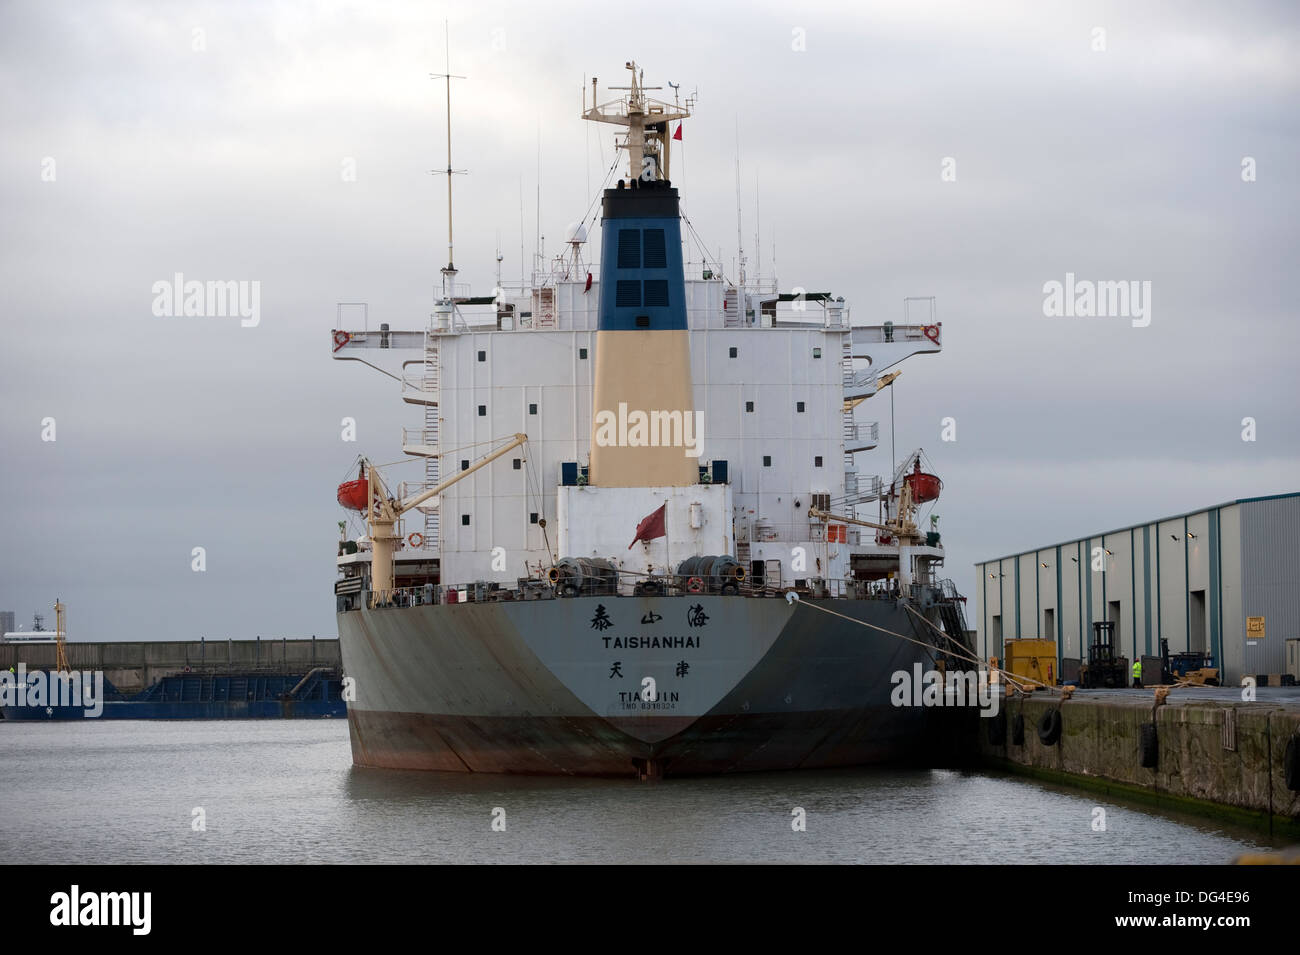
x=532 y=518
x=482 y=356
x=482 y=411
x=582 y=353
x=798 y=406
x=767 y=460
x=749 y=406
x=464 y=464
x=517 y=464
x=464 y=520
x=732 y=352
x=532 y=409
x=817 y=461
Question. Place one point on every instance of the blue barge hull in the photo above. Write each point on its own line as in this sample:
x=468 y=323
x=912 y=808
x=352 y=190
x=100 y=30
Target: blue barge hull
x=191 y=696
x=263 y=710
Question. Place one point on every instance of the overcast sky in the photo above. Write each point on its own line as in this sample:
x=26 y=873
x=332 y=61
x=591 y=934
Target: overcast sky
x=1122 y=163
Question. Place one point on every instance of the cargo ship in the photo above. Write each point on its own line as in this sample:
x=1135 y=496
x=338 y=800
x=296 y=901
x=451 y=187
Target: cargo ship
x=640 y=538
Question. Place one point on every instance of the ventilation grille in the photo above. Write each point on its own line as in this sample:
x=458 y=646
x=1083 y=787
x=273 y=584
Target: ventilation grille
x=628 y=294
x=655 y=255
x=629 y=248
x=656 y=291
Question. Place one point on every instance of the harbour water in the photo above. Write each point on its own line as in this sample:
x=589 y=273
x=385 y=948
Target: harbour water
x=286 y=792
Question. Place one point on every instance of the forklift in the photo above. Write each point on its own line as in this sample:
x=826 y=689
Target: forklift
x=1194 y=667
x=1104 y=668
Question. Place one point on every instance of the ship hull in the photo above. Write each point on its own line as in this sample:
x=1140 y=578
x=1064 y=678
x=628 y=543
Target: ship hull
x=616 y=686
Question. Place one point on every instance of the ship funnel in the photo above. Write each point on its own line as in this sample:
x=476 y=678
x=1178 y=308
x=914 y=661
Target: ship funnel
x=645 y=432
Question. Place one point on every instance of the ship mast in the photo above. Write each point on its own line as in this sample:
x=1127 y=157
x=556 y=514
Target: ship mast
x=449 y=270
x=648 y=140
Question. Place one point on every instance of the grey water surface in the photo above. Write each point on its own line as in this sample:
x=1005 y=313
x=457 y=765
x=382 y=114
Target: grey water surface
x=286 y=792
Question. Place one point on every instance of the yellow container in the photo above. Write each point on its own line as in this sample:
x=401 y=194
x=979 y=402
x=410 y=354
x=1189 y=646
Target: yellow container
x=1032 y=658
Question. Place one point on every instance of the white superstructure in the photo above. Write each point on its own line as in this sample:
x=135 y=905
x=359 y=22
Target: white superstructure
x=780 y=385
x=770 y=383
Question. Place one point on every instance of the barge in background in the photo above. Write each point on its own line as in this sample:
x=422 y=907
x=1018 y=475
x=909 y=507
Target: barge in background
x=55 y=689
x=41 y=695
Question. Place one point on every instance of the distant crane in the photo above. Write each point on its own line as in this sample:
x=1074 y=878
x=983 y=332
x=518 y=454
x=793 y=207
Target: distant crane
x=60 y=651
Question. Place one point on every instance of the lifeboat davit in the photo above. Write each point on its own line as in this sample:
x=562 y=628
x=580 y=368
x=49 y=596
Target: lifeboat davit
x=925 y=487
x=352 y=494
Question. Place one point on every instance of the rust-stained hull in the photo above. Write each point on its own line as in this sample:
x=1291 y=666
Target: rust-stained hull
x=558 y=686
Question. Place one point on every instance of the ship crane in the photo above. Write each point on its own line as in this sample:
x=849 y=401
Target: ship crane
x=916 y=487
x=383 y=511
x=904 y=530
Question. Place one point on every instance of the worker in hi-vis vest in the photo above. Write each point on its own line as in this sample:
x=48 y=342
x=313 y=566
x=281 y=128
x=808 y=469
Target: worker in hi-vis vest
x=1137 y=672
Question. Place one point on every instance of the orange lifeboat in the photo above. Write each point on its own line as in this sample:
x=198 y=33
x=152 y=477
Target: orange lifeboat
x=925 y=487
x=352 y=494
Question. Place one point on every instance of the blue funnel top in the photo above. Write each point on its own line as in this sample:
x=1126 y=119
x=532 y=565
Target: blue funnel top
x=641 y=283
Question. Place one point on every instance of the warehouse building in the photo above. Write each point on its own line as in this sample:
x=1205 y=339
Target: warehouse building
x=1224 y=580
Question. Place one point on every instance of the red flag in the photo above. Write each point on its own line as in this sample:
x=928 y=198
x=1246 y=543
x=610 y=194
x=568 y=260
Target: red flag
x=678 y=134
x=651 y=526
x=588 y=288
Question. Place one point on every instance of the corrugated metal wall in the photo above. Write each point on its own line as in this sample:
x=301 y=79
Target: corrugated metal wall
x=1270 y=544
x=1194 y=578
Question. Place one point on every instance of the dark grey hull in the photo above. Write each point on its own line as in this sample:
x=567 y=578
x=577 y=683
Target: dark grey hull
x=559 y=686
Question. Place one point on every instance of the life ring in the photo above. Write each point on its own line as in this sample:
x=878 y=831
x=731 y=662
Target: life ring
x=695 y=585
x=341 y=338
x=415 y=539
x=931 y=332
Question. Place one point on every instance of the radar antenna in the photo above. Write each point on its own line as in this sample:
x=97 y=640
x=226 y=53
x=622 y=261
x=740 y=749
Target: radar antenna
x=449 y=270
x=647 y=120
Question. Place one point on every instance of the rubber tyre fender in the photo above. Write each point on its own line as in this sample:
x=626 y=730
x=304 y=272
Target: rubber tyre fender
x=568 y=590
x=1148 y=746
x=1018 y=730
x=1049 y=727
x=997 y=729
x=1291 y=764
